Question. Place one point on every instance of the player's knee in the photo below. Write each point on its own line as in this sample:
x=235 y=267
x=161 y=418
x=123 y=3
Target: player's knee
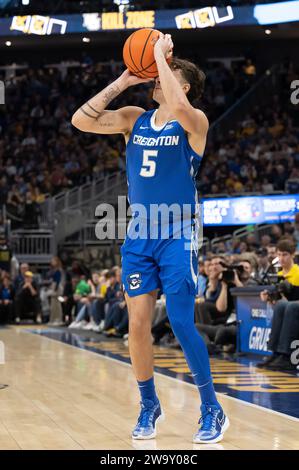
x=138 y=325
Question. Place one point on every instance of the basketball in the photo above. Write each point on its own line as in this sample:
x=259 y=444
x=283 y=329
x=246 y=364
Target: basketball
x=138 y=53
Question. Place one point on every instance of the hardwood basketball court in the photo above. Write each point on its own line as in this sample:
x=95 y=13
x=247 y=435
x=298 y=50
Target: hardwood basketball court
x=61 y=396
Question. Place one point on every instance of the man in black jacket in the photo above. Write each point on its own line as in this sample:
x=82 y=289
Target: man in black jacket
x=27 y=298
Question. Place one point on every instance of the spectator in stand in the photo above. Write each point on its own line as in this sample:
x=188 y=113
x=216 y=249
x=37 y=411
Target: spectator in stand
x=57 y=278
x=113 y=294
x=272 y=252
x=15 y=202
x=69 y=304
x=92 y=301
x=276 y=233
x=264 y=265
x=249 y=68
x=24 y=267
x=6 y=299
x=94 y=308
x=99 y=313
x=243 y=247
x=27 y=299
x=285 y=321
x=117 y=320
x=161 y=330
x=31 y=212
x=203 y=276
x=82 y=292
x=251 y=242
x=265 y=241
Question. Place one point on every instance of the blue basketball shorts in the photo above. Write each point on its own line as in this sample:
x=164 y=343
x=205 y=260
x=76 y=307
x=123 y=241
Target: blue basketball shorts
x=163 y=258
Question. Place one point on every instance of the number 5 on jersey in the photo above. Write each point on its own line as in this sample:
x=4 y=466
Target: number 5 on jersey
x=148 y=168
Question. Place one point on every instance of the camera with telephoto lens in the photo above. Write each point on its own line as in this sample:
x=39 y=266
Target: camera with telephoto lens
x=280 y=288
x=228 y=275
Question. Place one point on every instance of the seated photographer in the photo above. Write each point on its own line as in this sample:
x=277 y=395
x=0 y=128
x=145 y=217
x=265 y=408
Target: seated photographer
x=219 y=302
x=224 y=335
x=285 y=321
x=207 y=312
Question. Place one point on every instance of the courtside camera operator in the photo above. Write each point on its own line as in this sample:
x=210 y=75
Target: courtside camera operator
x=285 y=322
x=223 y=336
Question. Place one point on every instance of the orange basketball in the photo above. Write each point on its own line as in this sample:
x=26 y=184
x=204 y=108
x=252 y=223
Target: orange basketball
x=138 y=53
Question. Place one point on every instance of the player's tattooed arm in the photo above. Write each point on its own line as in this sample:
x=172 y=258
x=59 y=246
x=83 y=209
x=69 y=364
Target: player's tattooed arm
x=93 y=116
x=98 y=116
x=95 y=108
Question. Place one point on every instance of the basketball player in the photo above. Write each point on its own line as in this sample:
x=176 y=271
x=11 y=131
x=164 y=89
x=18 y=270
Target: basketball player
x=164 y=152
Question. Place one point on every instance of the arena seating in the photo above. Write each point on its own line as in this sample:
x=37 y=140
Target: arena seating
x=41 y=153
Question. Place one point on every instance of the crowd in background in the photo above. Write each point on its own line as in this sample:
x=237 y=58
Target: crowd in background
x=41 y=153
x=252 y=242
x=75 y=297
x=261 y=154
x=93 y=300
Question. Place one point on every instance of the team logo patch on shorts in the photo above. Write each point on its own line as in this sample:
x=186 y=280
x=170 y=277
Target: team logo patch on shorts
x=134 y=281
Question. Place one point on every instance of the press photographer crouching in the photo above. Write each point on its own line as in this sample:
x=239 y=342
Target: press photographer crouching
x=285 y=321
x=206 y=311
x=222 y=336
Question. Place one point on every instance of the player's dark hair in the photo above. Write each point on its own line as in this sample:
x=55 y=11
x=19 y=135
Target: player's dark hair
x=193 y=75
x=287 y=245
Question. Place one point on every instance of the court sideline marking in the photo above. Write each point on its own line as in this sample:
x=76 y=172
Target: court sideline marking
x=253 y=405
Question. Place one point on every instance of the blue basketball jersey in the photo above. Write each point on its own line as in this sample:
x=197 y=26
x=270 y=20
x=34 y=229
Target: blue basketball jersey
x=161 y=165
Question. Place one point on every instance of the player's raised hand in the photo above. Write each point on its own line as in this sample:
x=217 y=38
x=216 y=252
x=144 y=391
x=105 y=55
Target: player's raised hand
x=128 y=79
x=164 y=45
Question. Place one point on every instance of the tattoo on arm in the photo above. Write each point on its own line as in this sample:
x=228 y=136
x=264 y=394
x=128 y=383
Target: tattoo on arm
x=99 y=113
x=109 y=95
x=103 y=122
x=87 y=114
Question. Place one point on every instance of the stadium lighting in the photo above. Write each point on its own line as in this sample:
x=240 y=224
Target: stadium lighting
x=122 y=4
